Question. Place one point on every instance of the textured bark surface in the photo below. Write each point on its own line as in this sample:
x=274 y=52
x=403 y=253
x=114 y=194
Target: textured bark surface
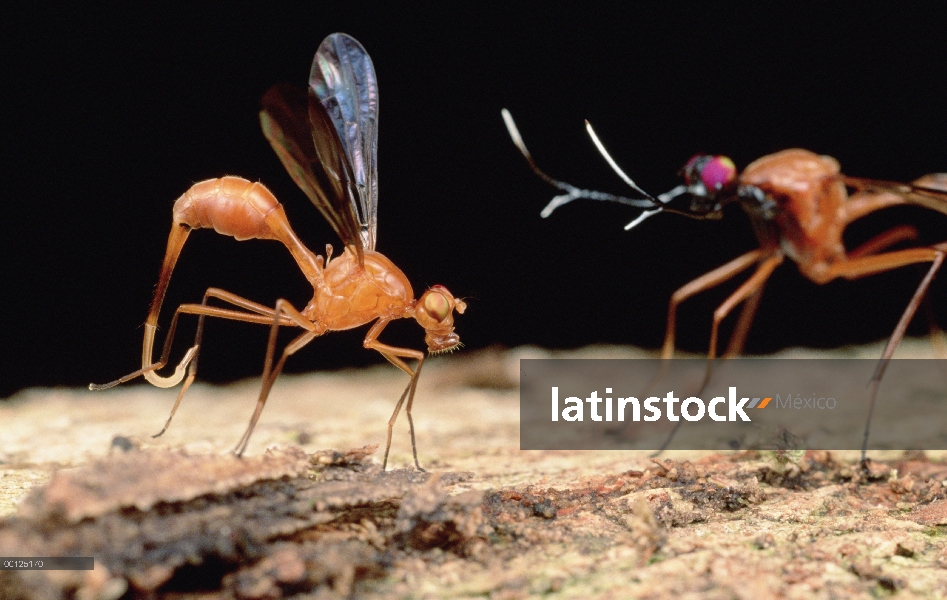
x=178 y=517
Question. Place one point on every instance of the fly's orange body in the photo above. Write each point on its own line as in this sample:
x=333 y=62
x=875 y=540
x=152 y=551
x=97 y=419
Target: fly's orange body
x=326 y=139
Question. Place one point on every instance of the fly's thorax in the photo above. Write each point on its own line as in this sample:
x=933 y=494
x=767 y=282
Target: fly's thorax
x=344 y=271
x=799 y=180
x=809 y=197
x=354 y=294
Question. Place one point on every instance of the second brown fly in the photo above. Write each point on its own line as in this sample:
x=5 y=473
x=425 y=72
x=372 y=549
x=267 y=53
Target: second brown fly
x=799 y=204
x=326 y=137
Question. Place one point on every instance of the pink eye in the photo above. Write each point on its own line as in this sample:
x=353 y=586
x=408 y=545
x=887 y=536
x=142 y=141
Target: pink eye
x=718 y=172
x=714 y=172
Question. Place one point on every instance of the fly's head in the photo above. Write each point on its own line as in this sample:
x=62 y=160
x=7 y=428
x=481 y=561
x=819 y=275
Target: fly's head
x=434 y=311
x=711 y=181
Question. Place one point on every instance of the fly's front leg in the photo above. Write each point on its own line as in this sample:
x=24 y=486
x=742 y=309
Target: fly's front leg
x=394 y=356
x=286 y=315
x=747 y=289
x=751 y=288
x=742 y=329
x=704 y=282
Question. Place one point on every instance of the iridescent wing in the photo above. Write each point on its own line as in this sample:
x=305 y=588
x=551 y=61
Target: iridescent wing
x=929 y=191
x=343 y=78
x=305 y=138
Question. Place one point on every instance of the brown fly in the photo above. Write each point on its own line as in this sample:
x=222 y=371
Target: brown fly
x=799 y=204
x=326 y=138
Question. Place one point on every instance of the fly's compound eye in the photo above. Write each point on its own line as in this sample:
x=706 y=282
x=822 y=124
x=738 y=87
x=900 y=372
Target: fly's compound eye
x=714 y=172
x=718 y=172
x=437 y=305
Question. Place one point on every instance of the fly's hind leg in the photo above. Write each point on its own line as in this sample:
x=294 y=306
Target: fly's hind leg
x=253 y=309
x=256 y=313
x=286 y=315
x=871 y=264
x=395 y=356
x=882 y=242
x=937 y=259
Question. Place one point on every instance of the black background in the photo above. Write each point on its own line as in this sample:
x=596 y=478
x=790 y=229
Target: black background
x=110 y=114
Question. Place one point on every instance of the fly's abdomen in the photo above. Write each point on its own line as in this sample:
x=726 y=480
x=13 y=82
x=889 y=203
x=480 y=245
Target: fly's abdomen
x=231 y=206
x=245 y=210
